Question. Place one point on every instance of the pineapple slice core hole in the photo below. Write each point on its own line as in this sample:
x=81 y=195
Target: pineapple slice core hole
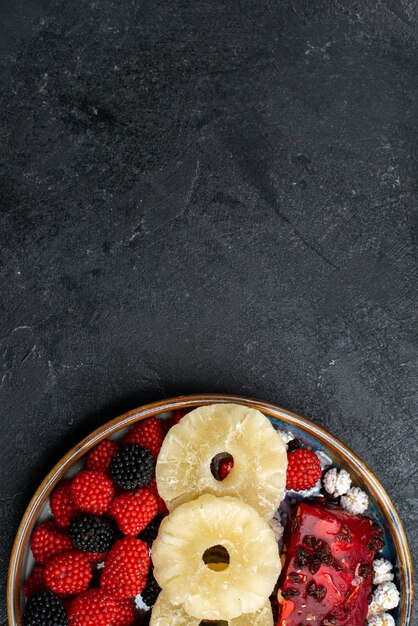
x=217 y=462
x=216 y=558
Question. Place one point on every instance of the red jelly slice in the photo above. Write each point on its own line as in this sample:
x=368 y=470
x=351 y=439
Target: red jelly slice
x=327 y=576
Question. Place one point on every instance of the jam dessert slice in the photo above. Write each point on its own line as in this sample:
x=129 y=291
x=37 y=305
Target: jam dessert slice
x=328 y=572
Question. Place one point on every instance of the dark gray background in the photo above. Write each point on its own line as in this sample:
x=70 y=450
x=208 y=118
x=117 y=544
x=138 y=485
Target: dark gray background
x=207 y=196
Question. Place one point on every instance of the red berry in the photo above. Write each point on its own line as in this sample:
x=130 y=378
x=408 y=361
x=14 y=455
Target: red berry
x=176 y=417
x=125 y=613
x=69 y=573
x=133 y=511
x=48 y=540
x=225 y=468
x=92 y=608
x=35 y=582
x=162 y=508
x=61 y=503
x=96 y=557
x=92 y=492
x=149 y=434
x=126 y=568
x=99 y=458
x=303 y=469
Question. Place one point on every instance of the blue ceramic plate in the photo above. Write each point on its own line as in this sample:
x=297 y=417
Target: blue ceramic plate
x=330 y=450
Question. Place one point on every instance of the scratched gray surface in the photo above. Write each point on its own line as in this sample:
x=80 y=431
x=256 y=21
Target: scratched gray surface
x=207 y=196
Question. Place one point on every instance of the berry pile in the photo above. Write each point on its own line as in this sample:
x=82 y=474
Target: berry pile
x=92 y=557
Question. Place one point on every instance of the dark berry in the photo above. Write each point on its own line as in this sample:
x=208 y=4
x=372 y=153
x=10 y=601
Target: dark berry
x=132 y=467
x=294 y=444
x=92 y=533
x=44 y=609
x=302 y=558
x=151 y=590
x=290 y=593
x=295 y=577
x=151 y=531
x=376 y=541
x=344 y=534
x=316 y=591
x=366 y=570
x=314 y=564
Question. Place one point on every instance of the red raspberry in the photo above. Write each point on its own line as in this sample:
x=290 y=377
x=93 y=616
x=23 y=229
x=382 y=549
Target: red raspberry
x=149 y=434
x=61 y=503
x=225 y=468
x=162 y=509
x=133 y=511
x=125 y=615
x=92 y=608
x=176 y=417
x=99 y=458
x=126 y=568
x=92 y=491
x=303 y=469
x=35 y=582
x=96 y=557
x=68 y=574
x=48 y=540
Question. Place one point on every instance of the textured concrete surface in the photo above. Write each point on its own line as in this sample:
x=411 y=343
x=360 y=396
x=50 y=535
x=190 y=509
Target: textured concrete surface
x=207 y=196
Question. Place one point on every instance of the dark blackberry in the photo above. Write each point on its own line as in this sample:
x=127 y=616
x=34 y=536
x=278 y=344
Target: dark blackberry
x=132 y=467
x=44 y=609
x=151 y=590
x=91 y=533
x=151 y=531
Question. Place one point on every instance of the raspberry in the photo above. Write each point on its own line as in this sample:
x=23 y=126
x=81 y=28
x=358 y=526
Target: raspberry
x=48 y=540
x=92 y=608
x=151 y=531
x=176 y=417
x=35 y=583
x=61 y=503
x=132 y=467
x=92 y=533
x=68 y=574
x=44 y=609
x=126 y=568
x=162 y=508
x=96 y=557
x=133 y=511
x=225 y=468
x=149 y=434
x=151 y=590
x=125 y=613
x=92 y=491
x=99 y=458
x=303 y=470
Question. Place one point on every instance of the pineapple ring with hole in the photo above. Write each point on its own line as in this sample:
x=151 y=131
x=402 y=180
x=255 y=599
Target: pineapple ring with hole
x=166 y=614
x=240 y=583
x=258 y=475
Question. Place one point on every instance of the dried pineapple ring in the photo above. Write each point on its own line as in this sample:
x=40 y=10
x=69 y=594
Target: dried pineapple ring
x=244 y=546
x=259 y=473
x=166 y=614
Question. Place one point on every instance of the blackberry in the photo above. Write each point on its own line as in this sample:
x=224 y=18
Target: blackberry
x=91 y=533
x=132 y=467
x=151 y=531
x=151 y=589
x=44 y=609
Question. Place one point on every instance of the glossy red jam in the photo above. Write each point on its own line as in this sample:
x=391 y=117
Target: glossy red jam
x=327 y=576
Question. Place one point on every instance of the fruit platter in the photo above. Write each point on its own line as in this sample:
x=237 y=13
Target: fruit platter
x=210 y=511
